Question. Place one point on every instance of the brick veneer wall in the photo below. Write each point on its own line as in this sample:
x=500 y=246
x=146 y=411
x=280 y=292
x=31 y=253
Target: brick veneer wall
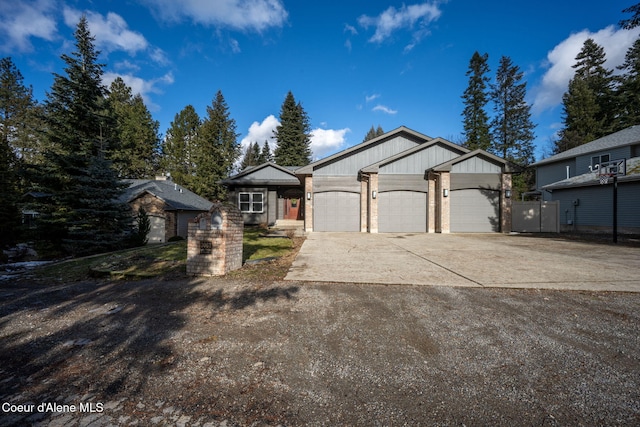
x=225 y=243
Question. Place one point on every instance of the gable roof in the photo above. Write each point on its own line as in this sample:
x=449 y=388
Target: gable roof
x=376 y=166
x=267 y=173
x=308 y=169
x=173 y=195
x=446 y=166
x=628 y=136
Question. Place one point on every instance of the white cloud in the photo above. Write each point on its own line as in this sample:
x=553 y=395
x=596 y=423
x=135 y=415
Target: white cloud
x=405 y=18
x=326 y=141
x=384 y=109
x=245 y=15
x=370 y=98
x=561 y=58
x=111 y=32
x=141 y=86
x=350 y=29
x=21 y=20
x=260 y=132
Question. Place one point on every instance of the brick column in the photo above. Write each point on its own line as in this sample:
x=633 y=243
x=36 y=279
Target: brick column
x=373 y=203
x=505 y=204
x=308 y=207
x=364 y=204
x=431 y=205
x=445 y=205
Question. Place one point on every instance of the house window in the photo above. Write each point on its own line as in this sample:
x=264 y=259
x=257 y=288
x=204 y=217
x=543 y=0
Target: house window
x=250 y=202
x=598 y=160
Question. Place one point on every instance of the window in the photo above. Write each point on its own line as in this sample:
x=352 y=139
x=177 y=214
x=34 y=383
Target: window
x=250 y=202
x=598 y=160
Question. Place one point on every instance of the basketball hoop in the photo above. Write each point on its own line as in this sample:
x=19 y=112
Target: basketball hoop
x=604 y=179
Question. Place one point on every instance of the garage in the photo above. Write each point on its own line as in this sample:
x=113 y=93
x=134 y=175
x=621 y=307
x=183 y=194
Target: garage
x=475 y=210
x=157 y=231
x=402 y=212
x=336 y=211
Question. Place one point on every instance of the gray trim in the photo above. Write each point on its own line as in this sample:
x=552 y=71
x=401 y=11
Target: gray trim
x=488 y=181
x=402 y=183
x=348 y=184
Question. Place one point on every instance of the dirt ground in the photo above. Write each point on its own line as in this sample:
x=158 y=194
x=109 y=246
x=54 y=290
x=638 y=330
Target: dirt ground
x=245 y=350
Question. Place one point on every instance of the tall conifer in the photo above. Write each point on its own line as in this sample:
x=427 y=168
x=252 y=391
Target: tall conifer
x=293 y=134
x=475 y=98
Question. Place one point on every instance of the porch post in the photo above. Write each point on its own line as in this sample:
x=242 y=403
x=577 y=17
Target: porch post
x=505 y=204
x=308 y=204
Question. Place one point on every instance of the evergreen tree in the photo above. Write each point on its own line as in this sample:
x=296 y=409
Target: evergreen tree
x=512 y=128
x=217 y=150
x=179 y=146
x=373 y=133
x=580 y=110
x=628 y=92
x=293 y=135
x=251 y=156
x=634 y=21
x=475 y=118
x=265 y=154
x=83 y=214
x=135 y=142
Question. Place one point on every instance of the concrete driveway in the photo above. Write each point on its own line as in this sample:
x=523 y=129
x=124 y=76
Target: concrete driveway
x=470 y=260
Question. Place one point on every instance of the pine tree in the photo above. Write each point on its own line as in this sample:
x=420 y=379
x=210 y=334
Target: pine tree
x=179 y=146
x=634 y=21
x=217 y=150
x=135 y=142
x=373 y=133
x=265 y=154
x=476 y=120
x=579 y=116
x=293 y=134
x=628 y=91
x=251 y=156
x=512 y=128
x=83 y=214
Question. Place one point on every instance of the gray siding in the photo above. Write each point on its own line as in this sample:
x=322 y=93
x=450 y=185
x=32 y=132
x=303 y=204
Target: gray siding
x=351 y=164
x=268 y=173
x=595 y=207
x=583 y=162
x=554 y=172
x=418 y=162
x=252 y=218
x=476 y=165
x=402 y=182
x=271 y=208
x=336 y=183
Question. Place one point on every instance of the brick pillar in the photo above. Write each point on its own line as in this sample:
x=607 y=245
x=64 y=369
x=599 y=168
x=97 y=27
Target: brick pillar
x=364 y=204
x=505 y=204
x=308 y=207
x=431 y=205
x=445 y=205
x=373 y=203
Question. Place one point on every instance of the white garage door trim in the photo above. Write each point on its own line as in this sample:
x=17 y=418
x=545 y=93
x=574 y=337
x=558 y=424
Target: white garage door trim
x=402 y=212
x=336 y=211
x=475 y=211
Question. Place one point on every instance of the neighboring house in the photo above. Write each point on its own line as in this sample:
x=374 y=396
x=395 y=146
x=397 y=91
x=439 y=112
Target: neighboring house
x=170 y=206
x=571 y=178
x=404 y=181
x=267 y=193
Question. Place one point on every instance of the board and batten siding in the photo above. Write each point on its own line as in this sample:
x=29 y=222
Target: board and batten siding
x=595 y=206
x=351 y=164
x=417 y=163
x=268 y=174
x=476 y=165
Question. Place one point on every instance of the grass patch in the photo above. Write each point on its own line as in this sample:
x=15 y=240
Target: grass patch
x=157 y=260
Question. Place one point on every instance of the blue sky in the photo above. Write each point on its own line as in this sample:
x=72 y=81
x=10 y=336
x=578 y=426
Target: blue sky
x=352 y=64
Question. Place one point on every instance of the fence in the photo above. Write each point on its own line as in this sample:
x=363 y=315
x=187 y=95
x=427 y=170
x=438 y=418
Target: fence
x=535 y=217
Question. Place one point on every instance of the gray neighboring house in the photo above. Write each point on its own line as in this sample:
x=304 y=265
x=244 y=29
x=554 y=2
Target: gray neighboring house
x=267 y=193
x=405 y=181
x=170 y=206
x=570 y=177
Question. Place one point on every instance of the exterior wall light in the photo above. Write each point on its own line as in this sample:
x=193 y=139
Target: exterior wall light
x=374 y=194
x=308 y=195
x=445 y=192
x=507 y=194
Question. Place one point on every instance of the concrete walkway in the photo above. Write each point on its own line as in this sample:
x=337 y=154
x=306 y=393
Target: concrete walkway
x=471 y=260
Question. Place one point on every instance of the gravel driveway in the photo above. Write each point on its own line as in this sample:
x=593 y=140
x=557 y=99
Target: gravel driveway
x=237 y=352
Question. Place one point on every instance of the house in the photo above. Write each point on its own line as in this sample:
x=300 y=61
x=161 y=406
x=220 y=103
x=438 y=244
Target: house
x=267 y=193
x=404 y=181
x=572 y=179
x=169 y=206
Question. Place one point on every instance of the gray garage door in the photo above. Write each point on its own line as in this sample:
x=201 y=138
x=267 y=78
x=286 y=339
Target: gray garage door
x=157 y=232
x=336 y=211
x=402 y=212
x=474 y=210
